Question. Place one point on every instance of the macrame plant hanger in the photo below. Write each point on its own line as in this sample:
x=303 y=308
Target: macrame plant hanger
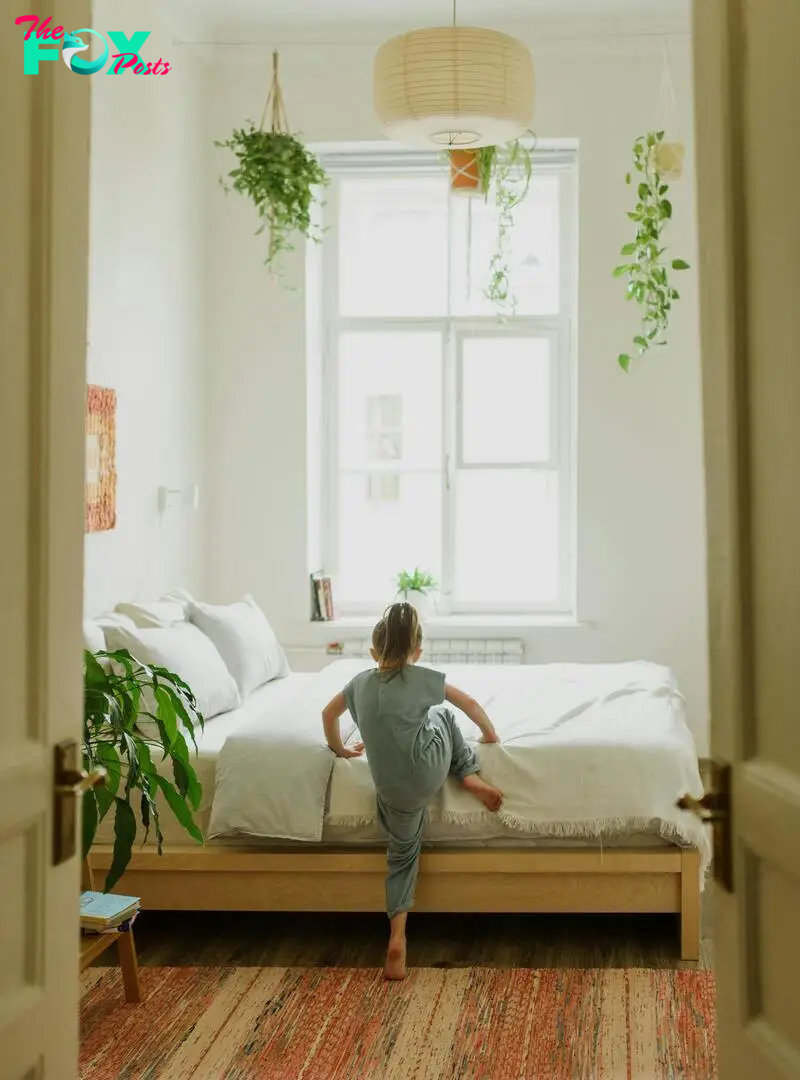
x=465 y=171
x=671 y=151
x=279 y=125
x=274 y=103
x=465 y=177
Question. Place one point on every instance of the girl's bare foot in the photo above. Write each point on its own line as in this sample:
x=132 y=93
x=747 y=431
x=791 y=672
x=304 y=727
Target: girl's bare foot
x=491 y=797
x=395 y=966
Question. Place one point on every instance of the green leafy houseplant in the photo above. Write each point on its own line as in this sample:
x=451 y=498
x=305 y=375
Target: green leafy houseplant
x=648 y=279
x=278 y=173
x=131 y=712
x=506 y=171
x=418 y=581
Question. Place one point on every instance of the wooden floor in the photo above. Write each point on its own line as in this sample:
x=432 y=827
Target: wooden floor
x=259 y=940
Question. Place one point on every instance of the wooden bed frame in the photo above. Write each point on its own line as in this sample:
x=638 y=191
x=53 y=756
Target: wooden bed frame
x=588 y=881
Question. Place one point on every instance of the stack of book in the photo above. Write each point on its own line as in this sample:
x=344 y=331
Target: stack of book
x=321 y=598
x=103 y=913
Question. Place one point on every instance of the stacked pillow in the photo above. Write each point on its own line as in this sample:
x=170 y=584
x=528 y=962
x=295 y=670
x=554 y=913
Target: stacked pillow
x=223 y=652
x=160 y=614
x=245 y=641
x=187 y=651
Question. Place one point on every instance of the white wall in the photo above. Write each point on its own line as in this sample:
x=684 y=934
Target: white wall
x=145 y=296
x=641 y=533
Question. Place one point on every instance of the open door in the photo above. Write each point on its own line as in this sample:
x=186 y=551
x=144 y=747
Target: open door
x=747 y=91
x=44 y=195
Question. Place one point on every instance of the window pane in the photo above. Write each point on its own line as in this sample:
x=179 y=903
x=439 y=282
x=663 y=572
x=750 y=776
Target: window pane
x=505 y=400
x=533 y=248
x=390 y=400
x=393 y=246
x=506 y=537
x=387 y=523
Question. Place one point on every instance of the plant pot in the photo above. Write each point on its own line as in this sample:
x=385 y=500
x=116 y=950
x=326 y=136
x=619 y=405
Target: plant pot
x=669 y=159
x=465 y=177
x=424 y=602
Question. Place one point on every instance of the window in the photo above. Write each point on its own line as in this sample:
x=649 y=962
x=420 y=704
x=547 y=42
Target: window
x=447 y=433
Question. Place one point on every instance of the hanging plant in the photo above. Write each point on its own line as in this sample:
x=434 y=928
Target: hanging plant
x=504 y=171
x=278 y=173
x=465 y=173
x=646 y=269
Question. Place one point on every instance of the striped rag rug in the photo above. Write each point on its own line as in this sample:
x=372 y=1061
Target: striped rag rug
x=226 y=1023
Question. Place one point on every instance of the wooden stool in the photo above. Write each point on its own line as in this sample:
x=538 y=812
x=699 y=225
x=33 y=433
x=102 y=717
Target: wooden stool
x=92 y=945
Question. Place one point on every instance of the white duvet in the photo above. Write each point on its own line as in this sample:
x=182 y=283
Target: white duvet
x=586 y=750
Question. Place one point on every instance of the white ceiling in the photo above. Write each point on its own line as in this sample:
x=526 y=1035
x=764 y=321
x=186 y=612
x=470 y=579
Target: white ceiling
x=306 y=14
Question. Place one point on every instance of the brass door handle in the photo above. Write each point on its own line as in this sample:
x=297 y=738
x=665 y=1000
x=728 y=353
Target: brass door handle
x=77 y=781
x=70 y=783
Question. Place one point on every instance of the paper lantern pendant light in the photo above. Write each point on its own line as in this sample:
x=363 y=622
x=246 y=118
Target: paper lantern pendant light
x=454 y=86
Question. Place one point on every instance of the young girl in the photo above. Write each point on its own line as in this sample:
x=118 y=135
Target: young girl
x=412 y=743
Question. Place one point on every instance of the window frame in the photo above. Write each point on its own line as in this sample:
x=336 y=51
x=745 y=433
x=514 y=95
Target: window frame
x=454 y=330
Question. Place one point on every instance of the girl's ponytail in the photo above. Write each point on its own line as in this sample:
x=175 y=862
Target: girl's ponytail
x=397 y=636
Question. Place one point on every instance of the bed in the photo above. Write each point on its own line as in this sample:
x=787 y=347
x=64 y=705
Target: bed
x=591 y=762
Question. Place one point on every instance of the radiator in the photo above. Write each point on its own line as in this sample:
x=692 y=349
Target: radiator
x=445 y=651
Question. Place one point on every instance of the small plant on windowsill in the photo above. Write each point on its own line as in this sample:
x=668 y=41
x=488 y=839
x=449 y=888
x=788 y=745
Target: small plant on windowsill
x=646 y=269
x=417 y=588
x=132 y=712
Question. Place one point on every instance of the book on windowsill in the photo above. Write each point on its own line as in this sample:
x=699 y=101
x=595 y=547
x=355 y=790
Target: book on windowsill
x=328 y=594
x=106 y=911
x=317 y=609
x=321 y=598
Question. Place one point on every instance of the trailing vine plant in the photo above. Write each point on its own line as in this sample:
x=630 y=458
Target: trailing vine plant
x=506 y=169
x=278 y=173
x=646 y=270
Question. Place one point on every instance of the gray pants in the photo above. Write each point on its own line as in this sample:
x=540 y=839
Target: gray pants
x=401 y=808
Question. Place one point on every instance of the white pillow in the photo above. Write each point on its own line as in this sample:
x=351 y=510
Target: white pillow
x=93 y=637
x=99 y=626
x=184 y=650
x=159 y=613
x=245 y=641
x=113 y=619
x=179 y=596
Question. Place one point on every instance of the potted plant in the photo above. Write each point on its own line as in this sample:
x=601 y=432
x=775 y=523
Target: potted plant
x=466 y=176
x=418 y=589
x=669 y=159
x=131 y=712
x=506 y=171
x=645 y=267
x=278 y=173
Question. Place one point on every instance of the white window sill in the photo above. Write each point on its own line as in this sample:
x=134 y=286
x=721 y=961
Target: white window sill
x=439 y=625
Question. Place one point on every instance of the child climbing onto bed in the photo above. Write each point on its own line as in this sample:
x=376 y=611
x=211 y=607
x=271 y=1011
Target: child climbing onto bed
x=412 y=743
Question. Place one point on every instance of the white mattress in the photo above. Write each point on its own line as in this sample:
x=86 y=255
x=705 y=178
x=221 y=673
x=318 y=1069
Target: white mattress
x=474 y=834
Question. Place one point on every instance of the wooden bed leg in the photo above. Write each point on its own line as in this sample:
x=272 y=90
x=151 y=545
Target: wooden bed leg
x=690 y=904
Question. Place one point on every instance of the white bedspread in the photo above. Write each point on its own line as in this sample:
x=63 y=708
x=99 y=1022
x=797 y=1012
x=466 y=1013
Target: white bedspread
x=273 y=772
x=586 y=750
